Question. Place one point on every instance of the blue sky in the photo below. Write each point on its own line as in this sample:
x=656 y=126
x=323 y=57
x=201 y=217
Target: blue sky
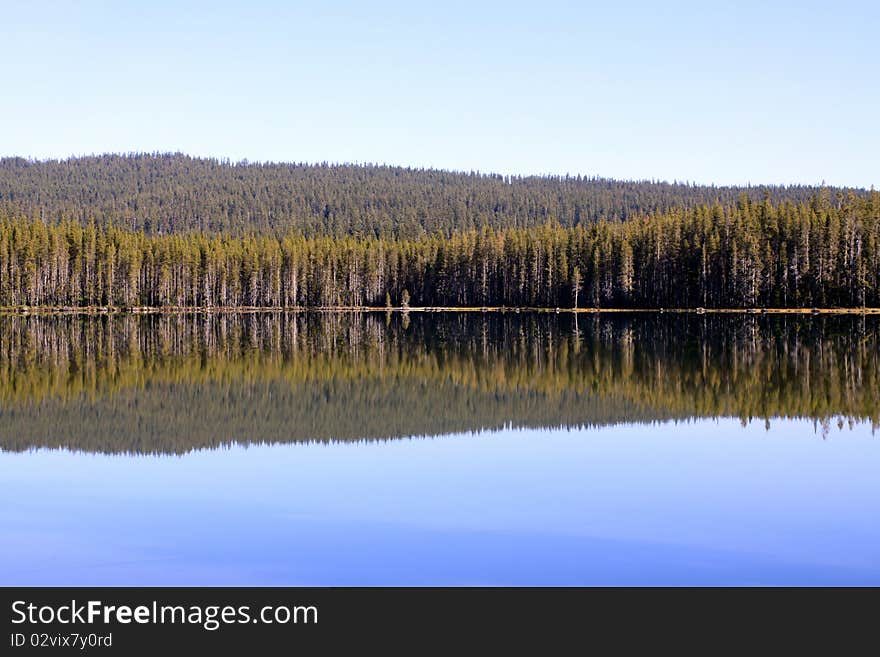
x=730 y=92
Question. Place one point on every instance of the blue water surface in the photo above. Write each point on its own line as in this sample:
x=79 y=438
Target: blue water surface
x=701 y=502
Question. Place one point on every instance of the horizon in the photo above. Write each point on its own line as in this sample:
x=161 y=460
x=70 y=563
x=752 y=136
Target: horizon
x=227 y=161
x=727 y=96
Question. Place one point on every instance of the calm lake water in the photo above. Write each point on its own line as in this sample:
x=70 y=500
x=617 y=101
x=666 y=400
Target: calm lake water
x=374 y=449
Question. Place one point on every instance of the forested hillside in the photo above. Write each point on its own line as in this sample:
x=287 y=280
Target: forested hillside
x=749 y=254
x=166 y=193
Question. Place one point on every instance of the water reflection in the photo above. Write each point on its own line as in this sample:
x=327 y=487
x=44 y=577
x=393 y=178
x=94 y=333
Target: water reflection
x=574 y=450
x=171 y=384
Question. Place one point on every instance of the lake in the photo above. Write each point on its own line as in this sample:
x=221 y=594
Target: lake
x=440 y=449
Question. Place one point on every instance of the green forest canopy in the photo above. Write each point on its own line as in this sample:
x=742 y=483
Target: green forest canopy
x=165 y=193
x=744 y=255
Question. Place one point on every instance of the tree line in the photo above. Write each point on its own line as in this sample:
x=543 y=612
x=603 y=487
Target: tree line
x=170 y=193
x=749 y=254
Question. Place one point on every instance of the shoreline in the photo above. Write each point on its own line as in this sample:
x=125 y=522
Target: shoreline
x=231 y=310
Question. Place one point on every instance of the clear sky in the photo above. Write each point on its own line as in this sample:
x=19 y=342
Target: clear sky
x=724 y=92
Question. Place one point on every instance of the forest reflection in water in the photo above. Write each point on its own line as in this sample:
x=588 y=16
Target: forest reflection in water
x=174 y=383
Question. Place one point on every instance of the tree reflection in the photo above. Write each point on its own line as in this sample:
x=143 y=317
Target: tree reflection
x=172 y=383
